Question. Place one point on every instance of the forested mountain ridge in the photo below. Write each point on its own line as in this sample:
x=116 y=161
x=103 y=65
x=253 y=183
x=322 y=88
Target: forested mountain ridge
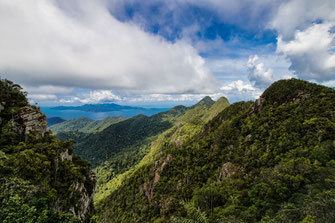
x=132 y=134
x=185 y=122
x=85 y=125
x=100 y=147
x=272 y=160
x=268 y=161
x=41 y=180
x=75 y=124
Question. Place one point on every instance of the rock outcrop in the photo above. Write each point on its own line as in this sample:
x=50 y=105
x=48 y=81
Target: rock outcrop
x=84 y=206
x=148 y=189
x=2 y=107
x=45 y=168
x=229 y=170
x=33 y=120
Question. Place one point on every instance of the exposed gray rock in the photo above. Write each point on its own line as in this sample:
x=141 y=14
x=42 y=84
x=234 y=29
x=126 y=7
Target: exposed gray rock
x=229 y=170
x=33 y=120
x=83 y=207
x=148 y=188
x=258 y=106
x=65 y=156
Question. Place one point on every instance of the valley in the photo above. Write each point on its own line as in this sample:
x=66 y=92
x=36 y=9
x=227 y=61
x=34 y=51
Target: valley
x=271 y=160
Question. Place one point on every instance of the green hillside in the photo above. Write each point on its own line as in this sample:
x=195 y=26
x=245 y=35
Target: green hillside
x=125 y=136
x=186 y=124
x=71 y=125
x=86 y=125
x=268 y=161
x=272 y=160
x=99 y=125
x=41 y=180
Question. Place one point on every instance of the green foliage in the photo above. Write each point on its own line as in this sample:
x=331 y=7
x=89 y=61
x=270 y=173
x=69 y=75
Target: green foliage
x=126 y=136
x=71 y=125
x=194 y=215
x=22 y=202
x=11 y=100
x=35 y=168
x=73 y=135
x=36 y=179
x=123 y=164
x=269 y=161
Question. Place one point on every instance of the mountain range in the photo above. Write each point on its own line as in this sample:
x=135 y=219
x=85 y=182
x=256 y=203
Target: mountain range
x=269 y=160
x=266 y=161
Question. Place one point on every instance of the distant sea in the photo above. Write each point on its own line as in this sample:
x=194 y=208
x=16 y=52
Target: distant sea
x=70 y=114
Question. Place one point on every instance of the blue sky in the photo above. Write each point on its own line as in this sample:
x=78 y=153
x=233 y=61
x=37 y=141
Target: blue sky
x=163 y=53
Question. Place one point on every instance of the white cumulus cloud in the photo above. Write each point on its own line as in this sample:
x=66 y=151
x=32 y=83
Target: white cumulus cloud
x=49 y=89
x=258 y=75
x=299 y=14
x=97 y=96
x=240 y=90
x=172 y=98
x=238 y=85
x=311 y=52
x=306 y=37
x=80 y=44
x=103 y=95
x=42 y=97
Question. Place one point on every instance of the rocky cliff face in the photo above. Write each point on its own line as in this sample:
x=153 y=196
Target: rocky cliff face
x=84 y=196
x=28 y=119
x=84 y=206
x=33 y=120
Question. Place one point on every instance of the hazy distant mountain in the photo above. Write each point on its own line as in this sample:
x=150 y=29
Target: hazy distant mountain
x=98 y=107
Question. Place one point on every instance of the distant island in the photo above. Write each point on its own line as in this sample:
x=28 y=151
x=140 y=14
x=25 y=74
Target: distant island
x=96 y=111
x=99 y=107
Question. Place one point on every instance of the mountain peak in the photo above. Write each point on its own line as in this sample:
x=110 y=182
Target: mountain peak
x=223 y=100
x=207 y=101
x=285 y=91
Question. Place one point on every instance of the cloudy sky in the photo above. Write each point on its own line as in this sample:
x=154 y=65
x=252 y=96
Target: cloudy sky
x=163 y=52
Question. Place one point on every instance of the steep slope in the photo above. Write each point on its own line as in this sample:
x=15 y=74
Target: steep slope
x=40 y=178
x=124 y=136
x=113 y=173
x=85 y=125
x=268 y=161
